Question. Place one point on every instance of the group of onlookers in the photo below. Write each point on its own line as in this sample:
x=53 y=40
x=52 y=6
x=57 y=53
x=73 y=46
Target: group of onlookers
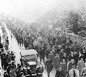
x=8 y=64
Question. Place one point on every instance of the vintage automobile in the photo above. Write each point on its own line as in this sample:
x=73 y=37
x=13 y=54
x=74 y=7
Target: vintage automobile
x=29 y=60
x=33 y=68
x=28 y=55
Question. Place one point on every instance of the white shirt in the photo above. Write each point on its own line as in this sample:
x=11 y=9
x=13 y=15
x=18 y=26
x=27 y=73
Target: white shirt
x=77 y=72
x=85 y=64
x=71 y=72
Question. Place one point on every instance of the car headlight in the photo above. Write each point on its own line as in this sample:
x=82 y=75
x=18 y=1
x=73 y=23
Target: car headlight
x=37 y=66
x=28 y=67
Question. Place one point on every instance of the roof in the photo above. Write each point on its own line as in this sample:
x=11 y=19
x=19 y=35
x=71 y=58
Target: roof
x=31 y=63
x=29 y=57
x=28 y=52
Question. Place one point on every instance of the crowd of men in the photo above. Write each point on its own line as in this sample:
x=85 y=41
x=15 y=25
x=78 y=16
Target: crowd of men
x=57 y=52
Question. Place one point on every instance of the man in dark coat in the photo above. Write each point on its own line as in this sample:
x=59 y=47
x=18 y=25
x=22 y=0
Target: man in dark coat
x=49 y=67
x=71 y=56
x=6 y=74
x=64 y=57
x=70 y=64
x=6 y=43
x=56 y=61
x=3 y=60
x=59 y=72
x=1 y=45
x=64 y=67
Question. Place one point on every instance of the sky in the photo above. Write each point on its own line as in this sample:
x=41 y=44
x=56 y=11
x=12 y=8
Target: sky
x=30 y=10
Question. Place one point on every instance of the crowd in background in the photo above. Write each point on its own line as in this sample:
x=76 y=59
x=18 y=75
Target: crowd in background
x=57 y=51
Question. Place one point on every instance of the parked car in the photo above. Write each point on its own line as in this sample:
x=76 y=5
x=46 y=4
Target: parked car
x=29 y=60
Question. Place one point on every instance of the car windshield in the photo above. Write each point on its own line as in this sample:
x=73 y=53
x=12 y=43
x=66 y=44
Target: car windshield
x=33 y=67
x=30 y=58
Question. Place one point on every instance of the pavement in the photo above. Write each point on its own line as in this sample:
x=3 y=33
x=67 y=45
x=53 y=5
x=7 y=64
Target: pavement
x=13 y=45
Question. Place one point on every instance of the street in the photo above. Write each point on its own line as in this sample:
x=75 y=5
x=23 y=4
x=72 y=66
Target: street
x=42 y=38
x=13 y=46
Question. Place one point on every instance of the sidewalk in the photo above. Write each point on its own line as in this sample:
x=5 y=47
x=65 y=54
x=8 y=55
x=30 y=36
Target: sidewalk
x=13 y=45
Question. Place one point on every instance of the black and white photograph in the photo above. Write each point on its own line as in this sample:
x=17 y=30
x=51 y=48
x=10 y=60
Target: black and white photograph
x=42 y=38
